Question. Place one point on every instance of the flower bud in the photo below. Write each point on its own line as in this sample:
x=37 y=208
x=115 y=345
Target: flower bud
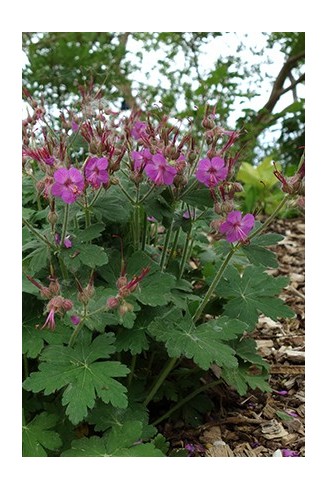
x=191 y=156
x=121 y=282
x=54 y=287
x=125 y=308
x=67 y=304
x=208 y=122
x=52 y=217
x=180 y=181
x=112 y=303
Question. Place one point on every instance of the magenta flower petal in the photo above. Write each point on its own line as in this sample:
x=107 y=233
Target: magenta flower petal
x=211 y=172
x=102 y=163
x=75 y=319
x=96 y=171
x=61 y=175
x=248 y=223
x=69 y=184
x=68 y=196
x=57 y=189
x=159 y=171
x=237 y=228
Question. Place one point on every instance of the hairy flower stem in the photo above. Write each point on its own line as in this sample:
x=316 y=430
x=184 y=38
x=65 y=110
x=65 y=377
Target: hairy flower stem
x=174 y=245
x=270 y=218
x=38 y=234
x=126 y=193
x=64 y=227
x=147 y=193
x=136 y=219
x=166 y=244
x=214 y=284
x=78 y=328
x=166 y=371
x=144 y=231
x=186 y=400
x=185 y=253
x=95 y=197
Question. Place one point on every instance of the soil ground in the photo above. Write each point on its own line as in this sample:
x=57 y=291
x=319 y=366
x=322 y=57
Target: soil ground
x=263 y=424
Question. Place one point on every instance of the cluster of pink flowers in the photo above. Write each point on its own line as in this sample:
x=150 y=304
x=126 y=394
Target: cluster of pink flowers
x=70 y=183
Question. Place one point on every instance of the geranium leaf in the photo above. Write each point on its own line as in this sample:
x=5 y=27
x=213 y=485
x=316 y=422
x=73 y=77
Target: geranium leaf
x=253 y=293
x=201 y=343
x=123 y=440
x=37 y=435
x=82 y=374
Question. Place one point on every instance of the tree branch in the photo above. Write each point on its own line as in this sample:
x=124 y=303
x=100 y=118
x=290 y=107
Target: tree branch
x=277 y=89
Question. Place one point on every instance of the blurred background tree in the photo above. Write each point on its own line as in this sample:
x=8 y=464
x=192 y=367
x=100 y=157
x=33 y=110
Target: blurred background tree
x=178 y=79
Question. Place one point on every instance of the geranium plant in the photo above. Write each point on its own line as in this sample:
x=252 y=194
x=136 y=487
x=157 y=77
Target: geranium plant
x=141 y=278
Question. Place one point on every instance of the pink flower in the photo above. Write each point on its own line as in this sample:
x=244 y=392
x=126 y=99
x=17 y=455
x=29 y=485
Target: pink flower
x=75 y=319
x=138 y=130
x=69 y=184
x=211 y=172
x=96 y=171
x=141 y=159
x=237 y=228
x=67 y=241
x=75 y=126
x=159 y=171
x=50 y=320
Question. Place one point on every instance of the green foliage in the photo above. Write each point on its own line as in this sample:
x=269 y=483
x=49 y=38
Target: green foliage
x=201 y=343
x=38 y=435
x=261 y=187
x=84 y=378
x=252 y=293
x=121 y=441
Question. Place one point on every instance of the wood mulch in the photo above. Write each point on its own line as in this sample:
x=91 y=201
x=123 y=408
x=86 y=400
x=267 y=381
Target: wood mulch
x=263 y=424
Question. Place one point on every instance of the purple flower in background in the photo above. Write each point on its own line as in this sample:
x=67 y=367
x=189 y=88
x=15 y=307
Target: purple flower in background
x=237 y=228
x=69 y=184
x=67 y=241
x=287 y=453
x=96 y=171
x=211 y=172
x=159 y=171
x=151 y=219
x=138 y=130
x=187 y=215
x=75 y=126
x=75 y=319
x=141 y=159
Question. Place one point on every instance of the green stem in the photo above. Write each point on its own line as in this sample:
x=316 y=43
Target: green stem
x=38 y=234
x=137 y=220
x=174 y=246
x=144 y=231
x=95 y=197
x=147 y=193
x=64 y=227
x=270 y=218
x=126 y=194
x=76 y=333
x=214 y=284
x=166 y=244
x=186 y=400
x=167 y=369
x=185 y=254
